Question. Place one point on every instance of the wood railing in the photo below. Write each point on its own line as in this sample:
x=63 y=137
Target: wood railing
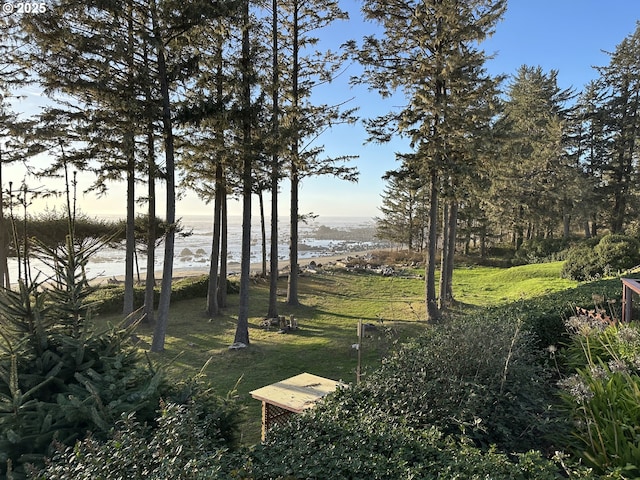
x=629 y=287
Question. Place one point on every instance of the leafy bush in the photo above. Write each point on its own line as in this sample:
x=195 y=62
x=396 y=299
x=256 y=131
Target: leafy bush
x=191 y=438
x=612 y=254
x=325 y=443
x=109 y=298
x=481 y=376
x=618 y=252
x=581 y=264
x=539 y=250
x=603 y=395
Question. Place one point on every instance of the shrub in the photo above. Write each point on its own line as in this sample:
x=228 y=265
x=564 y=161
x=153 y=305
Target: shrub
x=618 y=252
x=481 y=376
x=324 y=443
x=109 y=298
x=612 y=254
x=539 y=250
x=581 y=264
x=191 y=438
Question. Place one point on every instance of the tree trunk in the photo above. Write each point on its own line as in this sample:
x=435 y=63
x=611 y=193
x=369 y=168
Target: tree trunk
x=150 y=280
x=451 y=250
x=130 y=152
x=442 y=298
x=242 y=328
x=160 y=331
x=222 y=288
x=217 y=282
x=213 y=308
x=4 y=267
x=430 y=269
x=263 y=232
x=292 y=286
x=275 y=171
x=130 y=241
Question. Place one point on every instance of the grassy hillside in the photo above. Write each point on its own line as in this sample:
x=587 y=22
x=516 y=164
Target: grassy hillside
x=332 y=303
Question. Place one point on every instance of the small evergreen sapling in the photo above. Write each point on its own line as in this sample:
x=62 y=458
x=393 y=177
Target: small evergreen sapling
x=61 y=377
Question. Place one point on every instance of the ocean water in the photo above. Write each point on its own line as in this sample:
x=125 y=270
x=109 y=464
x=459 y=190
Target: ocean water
x=193 y=247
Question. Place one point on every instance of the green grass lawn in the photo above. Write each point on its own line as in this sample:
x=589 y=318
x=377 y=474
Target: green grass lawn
x=331 y=305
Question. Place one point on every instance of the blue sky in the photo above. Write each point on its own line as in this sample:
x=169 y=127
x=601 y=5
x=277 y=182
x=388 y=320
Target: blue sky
x=566 y=35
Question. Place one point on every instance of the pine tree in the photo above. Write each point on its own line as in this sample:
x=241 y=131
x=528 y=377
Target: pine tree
x=429 y=51
x=533 y=171
x=305 y=121
x=619 y=88
x=403 y=207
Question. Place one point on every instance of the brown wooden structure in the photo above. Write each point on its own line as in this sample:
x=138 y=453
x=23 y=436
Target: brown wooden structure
x=293 y=395
x=629 y=287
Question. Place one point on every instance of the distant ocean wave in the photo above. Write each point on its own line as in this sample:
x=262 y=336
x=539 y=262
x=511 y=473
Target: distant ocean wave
x=193 y=248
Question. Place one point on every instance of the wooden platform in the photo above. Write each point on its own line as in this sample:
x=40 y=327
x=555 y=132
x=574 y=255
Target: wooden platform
x=293 y=395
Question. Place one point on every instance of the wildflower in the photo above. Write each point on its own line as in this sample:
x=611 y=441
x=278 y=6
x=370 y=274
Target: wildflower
x=577 y=388
x=617 y=365
x=628 y=334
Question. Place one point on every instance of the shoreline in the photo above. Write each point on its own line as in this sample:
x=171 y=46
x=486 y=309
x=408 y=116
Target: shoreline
x=256 y=267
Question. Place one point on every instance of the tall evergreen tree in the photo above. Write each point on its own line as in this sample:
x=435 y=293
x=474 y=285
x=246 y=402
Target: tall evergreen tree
x=429 y=51
x=403 y=210
x=299 y=74
x=242 y=327
x=619 y=84
x=533 y=171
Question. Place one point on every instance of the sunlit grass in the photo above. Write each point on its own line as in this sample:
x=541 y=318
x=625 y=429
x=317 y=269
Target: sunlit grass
x=331 y=305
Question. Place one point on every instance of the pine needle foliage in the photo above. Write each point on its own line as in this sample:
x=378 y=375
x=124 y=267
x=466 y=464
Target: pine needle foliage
x=59 y=376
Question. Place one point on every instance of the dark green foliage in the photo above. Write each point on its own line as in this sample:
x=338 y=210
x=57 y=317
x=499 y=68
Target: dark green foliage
x=474 y=381
x=190 y=439
x=612 y=254
x=325 y=443
x=581 y=264
x=618 y=252
x=481 y=376
x=539 y=250
x=52 y=228
x=60 y=378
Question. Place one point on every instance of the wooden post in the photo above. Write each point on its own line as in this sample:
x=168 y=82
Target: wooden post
x=265 y=420
x=359 y=367
x=627 y=303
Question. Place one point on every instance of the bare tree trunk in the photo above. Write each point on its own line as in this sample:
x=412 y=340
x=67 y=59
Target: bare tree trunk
x=442 y=298
x=215 y=280
x=130 y=242
x=263 y=231
x=222 y=288
x=292 y=286
x=160 y=331
x=4 y=266
x=152 y=234
x=430 y=269
x=242 y=328
x=451 y=251
x=213 y=308
x=150 y=280
x=129 y=142
x=275 y=171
